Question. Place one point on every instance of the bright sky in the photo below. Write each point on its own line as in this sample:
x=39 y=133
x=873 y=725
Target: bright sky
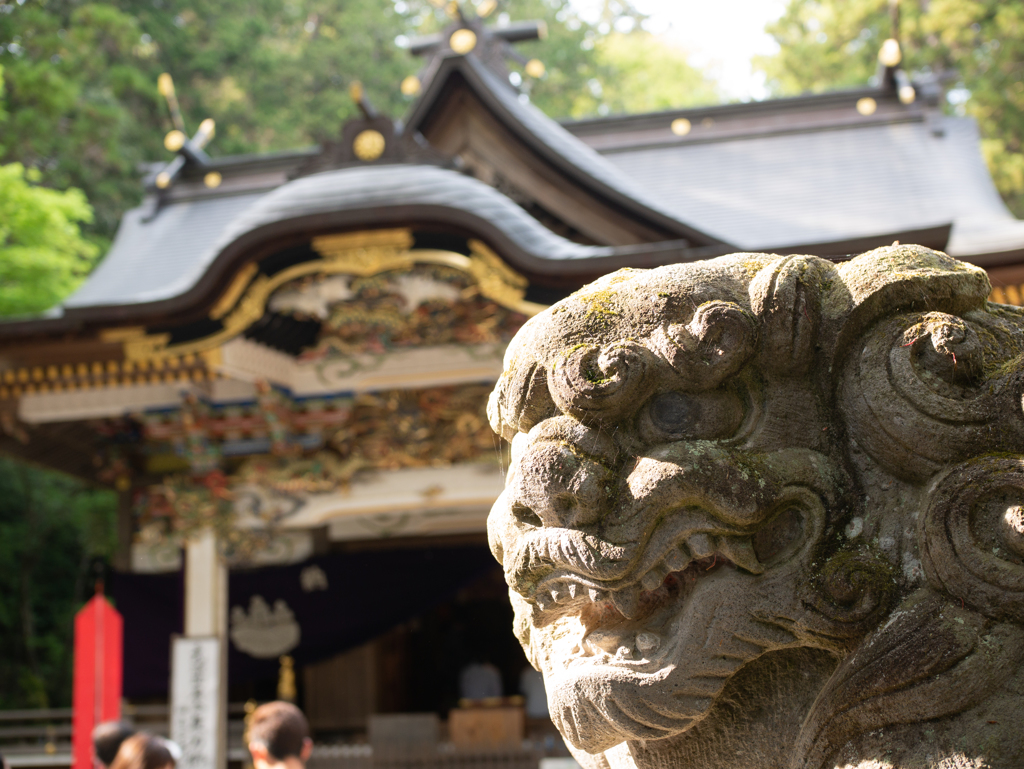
x=719 y=35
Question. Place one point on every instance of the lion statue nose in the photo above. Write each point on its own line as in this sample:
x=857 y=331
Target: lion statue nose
x=555 y=486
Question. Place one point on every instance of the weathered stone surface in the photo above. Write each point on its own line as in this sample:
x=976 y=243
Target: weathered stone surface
x=768 y=511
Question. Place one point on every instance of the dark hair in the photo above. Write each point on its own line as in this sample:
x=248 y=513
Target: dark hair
x=281 y=728
x=107 y=738
x=142 y=751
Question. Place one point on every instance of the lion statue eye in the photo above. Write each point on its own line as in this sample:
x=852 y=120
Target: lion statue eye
x=691 y=416
x=676 y=413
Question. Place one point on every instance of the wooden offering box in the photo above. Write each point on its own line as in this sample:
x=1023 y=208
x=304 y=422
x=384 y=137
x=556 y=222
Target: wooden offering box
x=485 y=728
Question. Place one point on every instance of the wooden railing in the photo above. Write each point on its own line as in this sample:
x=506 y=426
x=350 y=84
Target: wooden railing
x=36 y=738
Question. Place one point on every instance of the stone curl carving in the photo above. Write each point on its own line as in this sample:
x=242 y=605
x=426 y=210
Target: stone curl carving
x=768 y=511
x=601 y=384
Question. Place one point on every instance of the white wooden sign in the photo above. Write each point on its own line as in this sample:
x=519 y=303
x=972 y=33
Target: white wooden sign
x=195 y=701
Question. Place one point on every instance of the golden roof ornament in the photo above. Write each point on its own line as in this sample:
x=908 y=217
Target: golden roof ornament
x=890 y=55
x=176 y=140
x=462 y=40
x=368 y=145
x=373 y=137
x=411 y=86
x=467 y=35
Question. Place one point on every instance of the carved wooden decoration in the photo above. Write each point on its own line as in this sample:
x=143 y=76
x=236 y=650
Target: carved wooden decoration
x=766 y=511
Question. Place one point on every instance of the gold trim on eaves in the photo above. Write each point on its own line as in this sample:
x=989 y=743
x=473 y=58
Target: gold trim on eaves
x=359 y=253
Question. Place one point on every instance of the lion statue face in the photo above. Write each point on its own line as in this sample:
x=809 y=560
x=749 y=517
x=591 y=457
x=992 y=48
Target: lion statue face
x=767 y=511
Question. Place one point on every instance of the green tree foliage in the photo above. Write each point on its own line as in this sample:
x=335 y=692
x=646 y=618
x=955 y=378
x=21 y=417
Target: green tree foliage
x=575 y=78
x=51 y=528
x=647 y=75
x=826 y=44
x=80 y=99
x=605 y=66
x=273 y=74
x=43 y=255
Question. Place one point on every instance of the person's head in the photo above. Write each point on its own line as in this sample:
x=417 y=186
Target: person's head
x=143 y=751
x=107 y=738
x=278 y=733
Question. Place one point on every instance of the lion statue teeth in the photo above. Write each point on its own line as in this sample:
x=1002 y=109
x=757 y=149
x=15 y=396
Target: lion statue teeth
x=765 y=511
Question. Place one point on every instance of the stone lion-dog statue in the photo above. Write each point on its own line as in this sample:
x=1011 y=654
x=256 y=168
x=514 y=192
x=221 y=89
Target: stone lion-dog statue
x=768 y=511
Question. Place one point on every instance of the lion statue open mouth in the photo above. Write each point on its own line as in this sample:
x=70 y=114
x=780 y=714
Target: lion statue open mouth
x=768 y=511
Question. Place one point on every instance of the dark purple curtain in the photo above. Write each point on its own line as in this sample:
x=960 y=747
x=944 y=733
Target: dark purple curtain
x=153 y=609
x=366 y=594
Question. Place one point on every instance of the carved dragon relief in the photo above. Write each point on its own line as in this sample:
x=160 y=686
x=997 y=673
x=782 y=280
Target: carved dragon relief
x=766 y=511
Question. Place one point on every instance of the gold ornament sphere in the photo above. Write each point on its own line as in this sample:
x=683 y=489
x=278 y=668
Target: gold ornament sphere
x=462 y=41
x=368 y=145
x=213 y=179
x=681 y=126
x=535 y=68
x=174 y=140
x=867 y=106
x=411 y=86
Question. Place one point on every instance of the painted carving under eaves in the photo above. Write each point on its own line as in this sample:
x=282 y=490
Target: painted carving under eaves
x=435 y=427
x=201 y=434
x=421 y=305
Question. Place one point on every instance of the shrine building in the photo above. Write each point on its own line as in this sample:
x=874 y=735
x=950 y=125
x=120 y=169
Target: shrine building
x=282 y=364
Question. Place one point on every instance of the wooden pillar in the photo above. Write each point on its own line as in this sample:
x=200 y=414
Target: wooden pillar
x=123 y=554
x=206 y=588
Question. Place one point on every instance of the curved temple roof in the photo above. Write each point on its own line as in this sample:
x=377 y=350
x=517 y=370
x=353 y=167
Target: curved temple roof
x=167 y=255
x=838 y=185
x=162 y=258
x=555 y=144
x=763 y=188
